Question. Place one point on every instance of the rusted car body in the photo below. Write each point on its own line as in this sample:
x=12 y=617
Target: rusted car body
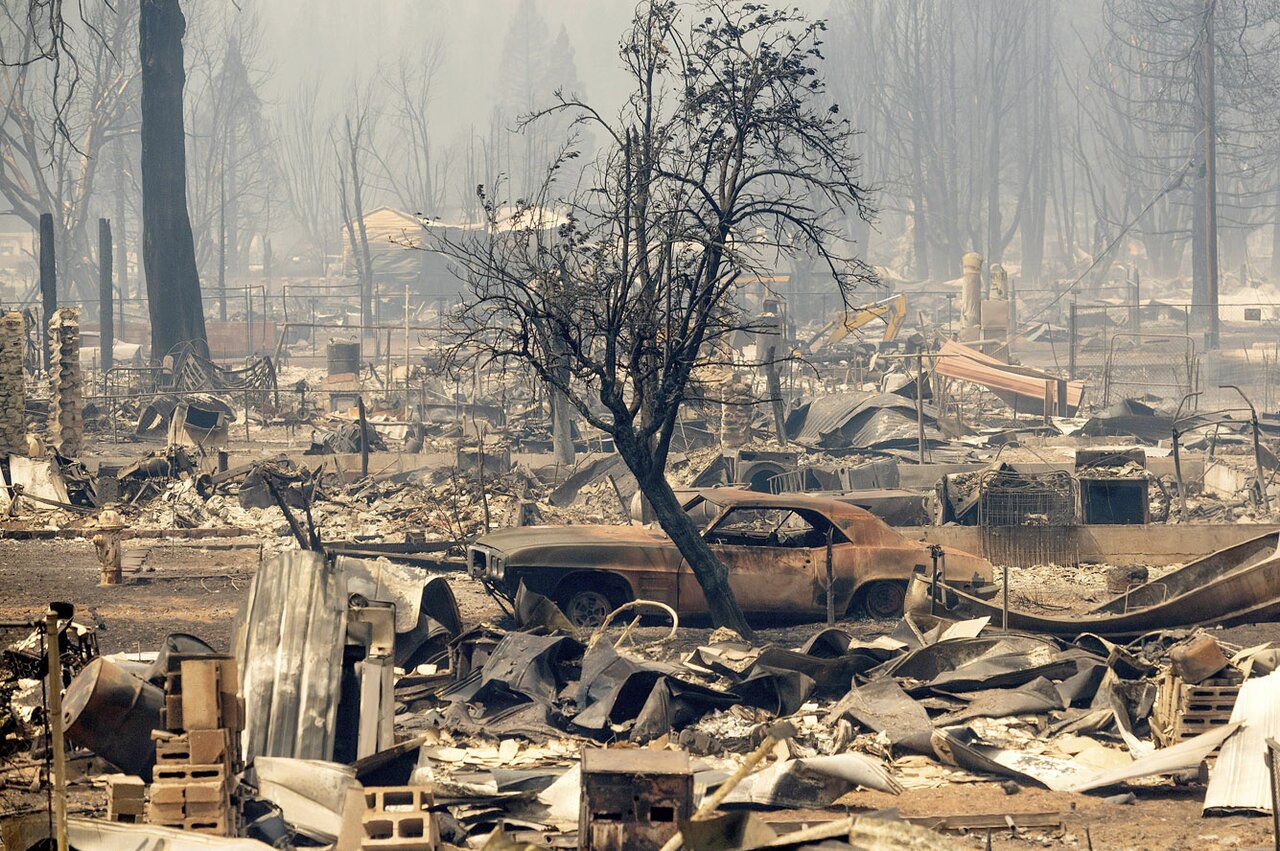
x=774 y=548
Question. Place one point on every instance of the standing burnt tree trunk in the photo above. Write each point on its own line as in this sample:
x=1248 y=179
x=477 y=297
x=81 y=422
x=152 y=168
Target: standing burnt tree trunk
x=618 y=291
x=168 y=249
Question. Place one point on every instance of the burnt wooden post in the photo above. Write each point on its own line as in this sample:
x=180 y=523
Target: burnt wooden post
x=48 y=283
x=364 y=438
x=1071 y=333
x=106 y=309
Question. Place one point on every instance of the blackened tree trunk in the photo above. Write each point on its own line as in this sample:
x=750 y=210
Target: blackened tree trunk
x=48 y=282
x=168 y=249
x=711 y=575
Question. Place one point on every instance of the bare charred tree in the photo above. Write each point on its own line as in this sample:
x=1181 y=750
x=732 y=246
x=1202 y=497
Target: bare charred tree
x=168 y=249
x=306 y=172
x=415 y=170
x=618 y=291
x=65 y=95
x=1155 y=104
x=229 y=152
x=350 y=152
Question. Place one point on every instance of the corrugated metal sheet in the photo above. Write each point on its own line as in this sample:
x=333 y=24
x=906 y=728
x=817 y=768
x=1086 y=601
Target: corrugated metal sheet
x=1241 y=779
x=289 y=640
x=963 y=363
x=291 y=633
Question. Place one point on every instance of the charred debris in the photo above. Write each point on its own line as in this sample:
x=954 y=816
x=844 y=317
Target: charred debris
x=499 y=471
x=1020 y=584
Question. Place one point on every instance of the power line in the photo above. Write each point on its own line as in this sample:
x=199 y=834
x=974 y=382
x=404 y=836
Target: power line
x=1174 y=182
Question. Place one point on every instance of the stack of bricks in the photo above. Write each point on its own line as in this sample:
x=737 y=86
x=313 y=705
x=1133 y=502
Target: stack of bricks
x=66 y=413
x=126 y=798
x=198 y=752
x=13 y=430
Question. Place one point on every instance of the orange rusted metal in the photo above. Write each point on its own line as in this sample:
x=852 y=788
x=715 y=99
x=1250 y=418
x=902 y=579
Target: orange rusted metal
x=1031 y=386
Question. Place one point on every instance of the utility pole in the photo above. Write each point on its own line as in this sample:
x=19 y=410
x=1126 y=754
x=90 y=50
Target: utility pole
x=1210 y=177
x=920 y=406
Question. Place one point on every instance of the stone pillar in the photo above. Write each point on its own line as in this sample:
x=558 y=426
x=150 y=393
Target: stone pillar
x=66 y=420
x=735 y=416
x=13 y=428
x=971 y=297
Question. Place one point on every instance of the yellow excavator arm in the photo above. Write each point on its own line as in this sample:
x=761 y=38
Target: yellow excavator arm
x=892 y=310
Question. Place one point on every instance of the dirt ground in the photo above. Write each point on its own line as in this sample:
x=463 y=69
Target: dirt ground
x=197 y=589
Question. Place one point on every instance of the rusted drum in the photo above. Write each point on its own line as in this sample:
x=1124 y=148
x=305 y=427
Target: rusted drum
x=112 y=713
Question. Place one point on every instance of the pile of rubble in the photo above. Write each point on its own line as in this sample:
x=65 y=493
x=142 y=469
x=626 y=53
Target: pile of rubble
x=359 y=709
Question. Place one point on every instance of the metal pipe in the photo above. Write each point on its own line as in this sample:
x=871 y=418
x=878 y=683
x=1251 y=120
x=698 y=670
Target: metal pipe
x=831 y=600
x=1257 y=447
x=1004 y=604
x=920 y=405
x=54 y=649
x=1177 y=473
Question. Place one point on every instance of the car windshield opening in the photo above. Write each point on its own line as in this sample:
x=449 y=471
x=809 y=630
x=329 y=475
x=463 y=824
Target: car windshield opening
x=773 y=527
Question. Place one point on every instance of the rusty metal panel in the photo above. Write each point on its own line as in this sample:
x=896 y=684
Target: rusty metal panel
x=633 y=800
x=963 y=363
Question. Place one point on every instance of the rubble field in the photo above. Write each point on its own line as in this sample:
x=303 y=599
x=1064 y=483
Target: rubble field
x=198 y=589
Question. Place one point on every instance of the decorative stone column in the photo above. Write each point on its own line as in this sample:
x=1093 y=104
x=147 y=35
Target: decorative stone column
x=13 y=428
x=736 y=412
x=66 y=412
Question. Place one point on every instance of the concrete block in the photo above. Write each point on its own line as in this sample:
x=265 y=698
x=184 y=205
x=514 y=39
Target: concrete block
x=209 y=747
x=201 y=704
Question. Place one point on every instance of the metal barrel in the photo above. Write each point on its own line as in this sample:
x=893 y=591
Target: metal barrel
x=112 y=713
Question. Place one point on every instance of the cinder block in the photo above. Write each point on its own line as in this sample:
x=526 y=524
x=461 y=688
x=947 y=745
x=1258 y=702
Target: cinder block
x=165 y=814
x=126 y=786
x=219 y=825
x=210 y=747
x=183 y=775
x=166 y=794
x=206 y=792
x=209 y=699
x=126 y=806
x=399 y=817
x=173 y=750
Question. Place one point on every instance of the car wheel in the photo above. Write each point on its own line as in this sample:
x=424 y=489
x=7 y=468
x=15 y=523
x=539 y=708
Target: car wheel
x=884 y=600
x=587 y=608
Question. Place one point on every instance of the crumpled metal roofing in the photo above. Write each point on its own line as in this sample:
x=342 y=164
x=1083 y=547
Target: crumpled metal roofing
x=857 y=420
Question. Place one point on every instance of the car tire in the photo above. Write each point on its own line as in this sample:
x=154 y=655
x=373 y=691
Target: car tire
x=586 y=608
x=884 y=600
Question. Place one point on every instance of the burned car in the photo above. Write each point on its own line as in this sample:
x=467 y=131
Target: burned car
x=774 y=547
